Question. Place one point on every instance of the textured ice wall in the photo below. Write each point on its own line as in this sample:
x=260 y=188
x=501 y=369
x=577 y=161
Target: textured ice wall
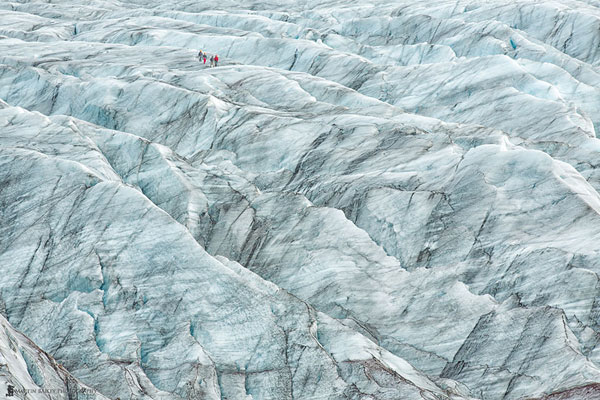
x=367 y=201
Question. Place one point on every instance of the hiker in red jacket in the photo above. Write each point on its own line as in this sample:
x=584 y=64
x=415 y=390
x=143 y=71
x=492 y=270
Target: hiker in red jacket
x=204 y=57
x=216 y=59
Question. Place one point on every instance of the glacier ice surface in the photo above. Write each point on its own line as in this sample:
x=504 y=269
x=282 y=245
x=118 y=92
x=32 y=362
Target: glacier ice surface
x=365 y=200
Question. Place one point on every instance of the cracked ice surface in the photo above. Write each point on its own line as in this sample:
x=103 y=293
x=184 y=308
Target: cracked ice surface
x=28 y=369
x=406 y=209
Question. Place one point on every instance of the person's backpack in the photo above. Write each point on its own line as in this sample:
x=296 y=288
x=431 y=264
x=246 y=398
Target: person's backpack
x=216 y=58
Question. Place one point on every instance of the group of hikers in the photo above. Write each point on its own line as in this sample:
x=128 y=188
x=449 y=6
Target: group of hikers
x=214 y=60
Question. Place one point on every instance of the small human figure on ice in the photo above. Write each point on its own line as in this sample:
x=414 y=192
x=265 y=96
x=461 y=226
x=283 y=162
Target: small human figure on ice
x=214 y=59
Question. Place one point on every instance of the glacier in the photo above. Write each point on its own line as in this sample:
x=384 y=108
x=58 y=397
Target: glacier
x=364 y=200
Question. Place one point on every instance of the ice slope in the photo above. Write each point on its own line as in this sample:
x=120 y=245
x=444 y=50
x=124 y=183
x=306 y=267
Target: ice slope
x=178 y=324
x=32 y=373
x=420 y=178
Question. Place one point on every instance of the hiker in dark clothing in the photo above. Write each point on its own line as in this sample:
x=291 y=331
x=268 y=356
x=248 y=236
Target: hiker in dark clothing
x=212 y=61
